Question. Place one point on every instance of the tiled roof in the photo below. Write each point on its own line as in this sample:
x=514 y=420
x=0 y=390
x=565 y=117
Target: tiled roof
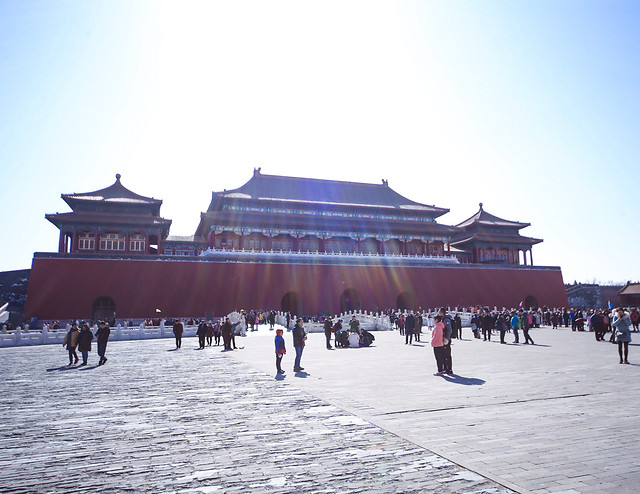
x=491 y=237
x=116 y=193
x=329 y=192
x=486 y=219
x=242 y=219
x=105 y=219
x=631 y=289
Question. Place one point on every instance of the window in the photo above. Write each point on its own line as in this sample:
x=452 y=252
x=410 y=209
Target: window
x=86 y=241
x=112 y=241
x=137 y=243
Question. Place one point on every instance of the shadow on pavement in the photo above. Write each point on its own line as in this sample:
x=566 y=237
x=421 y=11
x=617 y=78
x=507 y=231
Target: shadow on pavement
x=280 y=377
x=62 y=368
x=302 y=374
x=467 y=381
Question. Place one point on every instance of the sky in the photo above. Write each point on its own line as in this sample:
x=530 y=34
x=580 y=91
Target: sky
x=530 y=107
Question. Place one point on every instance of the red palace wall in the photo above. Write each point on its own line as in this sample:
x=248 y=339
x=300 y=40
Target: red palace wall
x=64 y=288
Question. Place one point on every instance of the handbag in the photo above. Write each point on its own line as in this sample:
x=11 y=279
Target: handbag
x=445 y=341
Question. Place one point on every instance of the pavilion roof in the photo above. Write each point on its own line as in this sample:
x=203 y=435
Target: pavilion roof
x=493 y=238
x=98 y=218
x=325 y=192
x=116 y=193
x=486 y=219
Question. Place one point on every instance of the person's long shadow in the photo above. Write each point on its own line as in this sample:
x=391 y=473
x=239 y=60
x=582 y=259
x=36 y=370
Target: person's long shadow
x=302 y=374
x=467 y=381
x=280 y=377
x=63 y=368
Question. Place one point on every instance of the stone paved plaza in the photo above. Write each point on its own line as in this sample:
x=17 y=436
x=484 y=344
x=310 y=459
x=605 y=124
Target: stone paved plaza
x=557 y=417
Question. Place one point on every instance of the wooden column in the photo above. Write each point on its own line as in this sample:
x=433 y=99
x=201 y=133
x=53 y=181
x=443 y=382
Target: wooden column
x=61 y=243
x=96 y=242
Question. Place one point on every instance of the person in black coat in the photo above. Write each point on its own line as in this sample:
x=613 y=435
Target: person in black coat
x=487 y=326
x=103 y=336
x=328 y=329
x=84 y=342
x=202 y=334
x=409 y=327
x=299 y=337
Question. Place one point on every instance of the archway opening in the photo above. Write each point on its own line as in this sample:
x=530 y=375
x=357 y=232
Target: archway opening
x=531 y=302
x=350 y=300
x=104 y=309
x=406 y=301
x=292 y=302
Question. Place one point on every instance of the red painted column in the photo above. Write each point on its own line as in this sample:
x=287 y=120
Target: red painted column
x=61 y=243
x=212 y=240
x=270 y=242
x=74 y=242
x=323 y=244
x=96 y=241
x=296 y=244
x=160 y=248
x=147 y=246
x=241 y=241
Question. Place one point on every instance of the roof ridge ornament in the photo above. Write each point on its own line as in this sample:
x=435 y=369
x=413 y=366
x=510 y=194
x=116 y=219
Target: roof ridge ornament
x=385 y=182
x=481 y=207
x=118 y=176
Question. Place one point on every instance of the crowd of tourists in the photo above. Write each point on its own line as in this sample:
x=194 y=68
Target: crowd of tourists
x=444 y=326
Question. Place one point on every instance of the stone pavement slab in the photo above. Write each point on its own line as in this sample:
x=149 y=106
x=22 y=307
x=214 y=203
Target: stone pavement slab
x=195 y=421
x=559 y=416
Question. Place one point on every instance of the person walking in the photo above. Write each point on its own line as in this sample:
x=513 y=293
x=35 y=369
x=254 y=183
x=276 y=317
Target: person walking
x=202 y=334
x=437 y=343
x=217 y=333
x=70 y=342
x=621 y=324
x=178 y=329
x=103 y=336
x=299 y=337
x=526 y=325
x=515 y=324
x=448 y=331
x=84 y=342
x=280 y=350
x=502 y=326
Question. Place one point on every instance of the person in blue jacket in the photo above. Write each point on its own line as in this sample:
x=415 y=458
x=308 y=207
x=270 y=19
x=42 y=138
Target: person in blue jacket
x=280 y=350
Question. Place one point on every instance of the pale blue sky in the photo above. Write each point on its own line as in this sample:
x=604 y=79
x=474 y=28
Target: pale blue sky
x=532 y=108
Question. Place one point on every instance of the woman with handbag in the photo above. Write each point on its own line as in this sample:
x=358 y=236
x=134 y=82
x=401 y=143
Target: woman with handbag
x=621 y=329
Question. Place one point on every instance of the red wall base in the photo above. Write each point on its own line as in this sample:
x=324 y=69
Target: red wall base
x=65 y=288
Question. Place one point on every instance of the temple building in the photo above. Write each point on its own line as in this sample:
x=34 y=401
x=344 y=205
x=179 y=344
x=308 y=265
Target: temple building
x=487 y=239
x=286 y=243
x=111 y=221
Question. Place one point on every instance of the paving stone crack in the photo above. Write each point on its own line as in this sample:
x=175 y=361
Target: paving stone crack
x=459 y=407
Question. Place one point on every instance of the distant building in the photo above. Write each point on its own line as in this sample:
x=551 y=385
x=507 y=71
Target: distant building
x=630 y=295
x=304 y=245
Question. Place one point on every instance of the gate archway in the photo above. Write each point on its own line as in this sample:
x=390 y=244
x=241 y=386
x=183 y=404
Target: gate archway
x=104 y=309
x=531 y=302
x=406 y=301
x=292 y=302
x=350 y=300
